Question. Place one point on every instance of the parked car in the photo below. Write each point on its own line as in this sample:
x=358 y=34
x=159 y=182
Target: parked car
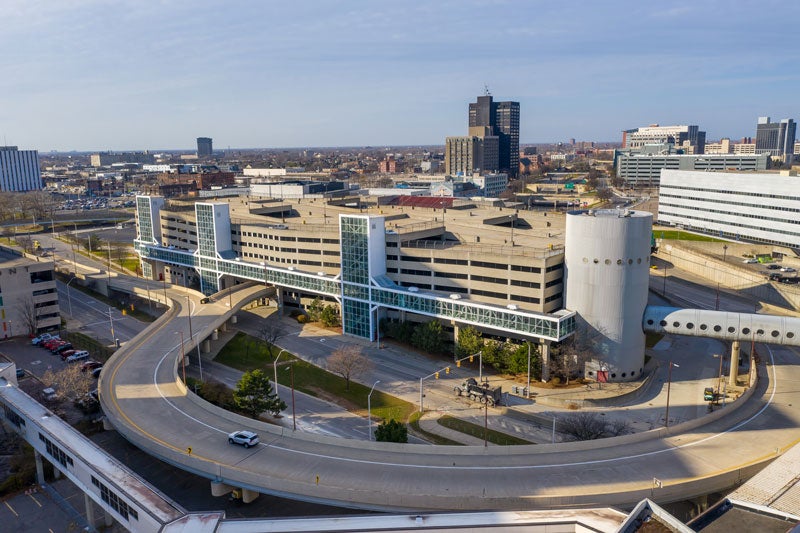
x=773 y=267
x=67 y=353
x=42 y=338
x=96 y=372
x=20 y=373
x=788 y=269
x=245 y=438
x=63 y=347
x=750 y=261
x=90 y=365
x=50 y=343
x=80 y=356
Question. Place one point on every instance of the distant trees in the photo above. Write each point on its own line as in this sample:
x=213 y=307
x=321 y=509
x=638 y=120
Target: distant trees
x=349 y=362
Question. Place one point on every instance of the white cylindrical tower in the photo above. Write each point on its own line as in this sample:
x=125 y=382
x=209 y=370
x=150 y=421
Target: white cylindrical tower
x=606 y=275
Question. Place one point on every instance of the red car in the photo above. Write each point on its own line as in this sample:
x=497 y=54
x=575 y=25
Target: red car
x=49 y=344
x=67 y=353
x=90 y=365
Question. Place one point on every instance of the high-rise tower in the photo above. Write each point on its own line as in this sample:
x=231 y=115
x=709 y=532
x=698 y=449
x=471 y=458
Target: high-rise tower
x=776 y=138
x=503 y=119
x=204 y=147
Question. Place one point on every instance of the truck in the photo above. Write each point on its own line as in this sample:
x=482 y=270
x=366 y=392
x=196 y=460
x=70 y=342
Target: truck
x=481 y=392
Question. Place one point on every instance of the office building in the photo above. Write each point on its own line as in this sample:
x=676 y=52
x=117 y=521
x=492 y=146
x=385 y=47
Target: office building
x=722 y=147
x=205 y=147
x=689 y=138
x=502 y=121
x=104 y=159
x=644 y=170
x=748 y=206
x=19 y=170
x=471 y=154
x=776 y=138
x=28 y=296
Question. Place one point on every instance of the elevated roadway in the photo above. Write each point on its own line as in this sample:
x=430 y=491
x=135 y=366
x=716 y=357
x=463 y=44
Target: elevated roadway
x=144 y=400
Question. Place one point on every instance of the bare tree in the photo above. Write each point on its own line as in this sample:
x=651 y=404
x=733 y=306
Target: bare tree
x=590 y=426
x=570 y=356
x=27 y=310
x=70 y=383
x=269 y=333
x=349 y=362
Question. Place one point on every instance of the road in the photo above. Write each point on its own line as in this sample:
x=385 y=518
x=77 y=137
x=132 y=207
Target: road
x=142 y=399
x=96 y=318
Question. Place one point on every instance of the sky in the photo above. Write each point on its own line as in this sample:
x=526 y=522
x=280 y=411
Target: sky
x=155 y=74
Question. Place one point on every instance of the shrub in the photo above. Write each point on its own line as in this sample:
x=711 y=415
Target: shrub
x=555 y=381
x=302 y=319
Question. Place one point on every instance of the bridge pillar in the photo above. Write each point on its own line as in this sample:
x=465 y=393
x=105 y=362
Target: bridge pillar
x=544 y=349
x=249 y=495
x=220 y=489
x=107 y=425
x=89 y=505
x=734 y=371
x=223 y=327
x=108 y=520
x=56 y=473
x=456 y=331
x=206 y=346
x=278 y=299
x=215 y=335
x=39 y=468
x=233 y=319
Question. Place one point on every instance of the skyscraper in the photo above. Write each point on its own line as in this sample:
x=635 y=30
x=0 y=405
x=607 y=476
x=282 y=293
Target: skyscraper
x=503 y=119
x=776 y=138
x=19 y=169
x=204 y=147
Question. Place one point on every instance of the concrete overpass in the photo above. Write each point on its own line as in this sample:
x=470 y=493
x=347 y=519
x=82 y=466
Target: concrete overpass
x=144 y=400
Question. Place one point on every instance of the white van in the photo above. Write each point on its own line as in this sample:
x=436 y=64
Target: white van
x=77 y=356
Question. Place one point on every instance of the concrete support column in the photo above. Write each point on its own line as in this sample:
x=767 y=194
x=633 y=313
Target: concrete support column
x=215 y=335
x=233 y=319
x=108 y=520
x=56 y=473
x=734 y=372
x=249 y=495
x=220 y=489
x=39 y=468
x=279 y=298
x=223 y=327
x=456 y=332
x=89 y=505
x=206 y=346
x=544 y=350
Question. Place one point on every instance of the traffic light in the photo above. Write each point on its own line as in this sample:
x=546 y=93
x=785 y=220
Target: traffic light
x=471 y=358
x=132 y=309
x=124 y=313
x=436 y=375
x=447 y=370
x=458 y=364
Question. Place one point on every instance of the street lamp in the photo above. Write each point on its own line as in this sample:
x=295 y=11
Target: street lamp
x=191 y=336
x=724 y=252
x=69 y=297
x=719 y=377
x=275 y=371
x=294 y=417
x=183 y=356
x=664 y=290
x=669 y=383
x=369 y=408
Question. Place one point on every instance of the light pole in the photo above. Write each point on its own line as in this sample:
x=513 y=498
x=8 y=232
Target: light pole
x=369 y=408
x=294 y=417
x=275 y=371
x=724 y=252
x=183 y=356
x=528 y=390
x=111 y=323
x=191 y=336
x=719 y=376
x=69 y=298
x=664 y=290
x=669 y=383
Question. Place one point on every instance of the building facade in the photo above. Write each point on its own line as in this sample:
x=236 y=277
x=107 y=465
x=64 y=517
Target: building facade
x=373 y=265
x=104 y=159
x=776 y=138
x=502 y=119
x=681 y=136
x=645 y=170
x=467 y=155
x=19 y=170
x=205 y=147
x=28 y=296
x=754 y=207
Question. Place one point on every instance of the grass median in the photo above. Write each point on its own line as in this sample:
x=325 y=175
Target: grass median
x=245 y=352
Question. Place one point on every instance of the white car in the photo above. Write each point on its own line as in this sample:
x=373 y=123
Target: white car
x=245 y=438
x=788 y=269
x=750 y=261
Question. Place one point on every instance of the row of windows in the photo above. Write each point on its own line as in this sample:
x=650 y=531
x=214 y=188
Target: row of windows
x=717 y=328
x=55 y=452
x=737 y=213
x=729 y=203
x=446 y=261
x=489 y=279
x=13 y=417
x=732 y=192
x=415 y=259
x=770 y=229
x=526 y=268
x=619 y=262
x=529 y=284
x=412 y=272
x=116 y=503
x=450 y=275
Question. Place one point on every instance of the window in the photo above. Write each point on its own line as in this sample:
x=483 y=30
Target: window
x=113 y=500
x=55 y=452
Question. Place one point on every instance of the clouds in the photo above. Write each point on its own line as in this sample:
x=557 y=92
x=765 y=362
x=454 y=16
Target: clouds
x=359 y=72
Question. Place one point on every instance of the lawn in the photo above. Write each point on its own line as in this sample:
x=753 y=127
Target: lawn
x=468 y=428
x=678 y=235
x=245 y=352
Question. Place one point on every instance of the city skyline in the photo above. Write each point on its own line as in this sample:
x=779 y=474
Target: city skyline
x=87 y=76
